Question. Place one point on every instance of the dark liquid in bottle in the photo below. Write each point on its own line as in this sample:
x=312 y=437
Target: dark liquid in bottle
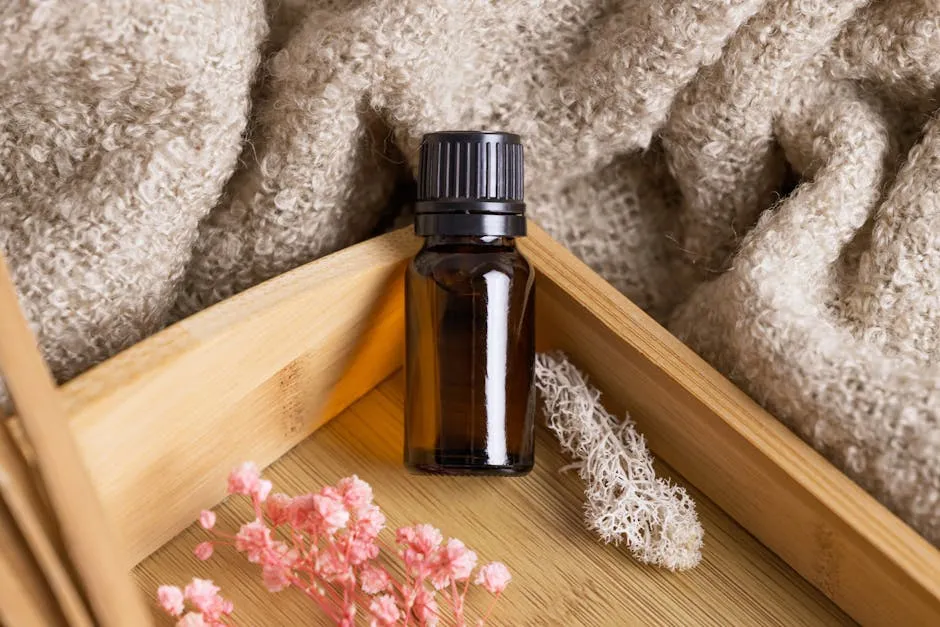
x=470 y=332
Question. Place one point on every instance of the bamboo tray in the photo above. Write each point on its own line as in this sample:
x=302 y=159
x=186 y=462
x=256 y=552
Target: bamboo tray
x=161 y=424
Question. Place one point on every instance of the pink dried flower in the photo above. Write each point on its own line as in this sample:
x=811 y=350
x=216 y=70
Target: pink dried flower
x=171 y=600
x=357 y=551
x=331 y=551
x=262 y=490
x=455 y=563
x=210 y=609
x=369 y=522
x=253 y=539
x=425 y=608
x=384 y=610
x=374 y=580
x=192 y=619
x=278 y=566
x=356 y=493
x=332 y=567
x=331 y=492
x=202 y=593
x=330 y=513
x=494 y=577
x=405 y=535
x=204 y=550
x=426 y=539
x=244 y=479
x=278 y=508
x=300 y=512
x=207 y=519
x=275 y=577
x=421 y=544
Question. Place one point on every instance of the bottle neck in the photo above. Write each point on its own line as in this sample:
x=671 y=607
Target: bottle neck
x=432 y=241
x=455 y=218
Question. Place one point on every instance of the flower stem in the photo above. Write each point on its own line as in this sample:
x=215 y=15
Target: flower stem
x=311 y=592
x=490 y=610
x=458 y=604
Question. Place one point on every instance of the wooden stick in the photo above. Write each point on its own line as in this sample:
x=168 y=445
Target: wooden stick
x=19 y=460
x=85 y=530
x=38 y=530
x=24 y=593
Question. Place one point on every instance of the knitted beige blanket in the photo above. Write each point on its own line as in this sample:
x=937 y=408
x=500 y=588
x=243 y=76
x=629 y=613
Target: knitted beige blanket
x=761 y=176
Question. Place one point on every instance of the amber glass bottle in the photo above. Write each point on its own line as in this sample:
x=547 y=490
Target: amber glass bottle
x=469 y=311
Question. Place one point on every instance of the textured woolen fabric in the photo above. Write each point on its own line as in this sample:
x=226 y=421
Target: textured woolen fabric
x=763 y=177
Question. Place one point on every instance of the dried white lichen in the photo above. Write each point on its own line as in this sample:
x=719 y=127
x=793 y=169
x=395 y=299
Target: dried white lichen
x=625 y=500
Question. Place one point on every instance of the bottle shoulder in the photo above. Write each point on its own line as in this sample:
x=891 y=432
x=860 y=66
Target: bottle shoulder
x=469 y=262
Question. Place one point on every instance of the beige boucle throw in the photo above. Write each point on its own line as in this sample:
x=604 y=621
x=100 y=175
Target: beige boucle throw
x=761 y=176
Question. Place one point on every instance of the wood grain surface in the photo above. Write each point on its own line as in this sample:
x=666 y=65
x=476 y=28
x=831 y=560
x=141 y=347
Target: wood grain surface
x=562 y=575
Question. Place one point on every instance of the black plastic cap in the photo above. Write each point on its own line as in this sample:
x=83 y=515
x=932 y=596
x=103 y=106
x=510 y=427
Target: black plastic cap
x=470 y=183
x=471 y=165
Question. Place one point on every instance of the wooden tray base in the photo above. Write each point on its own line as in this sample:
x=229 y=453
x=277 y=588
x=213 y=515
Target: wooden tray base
x=562 y=575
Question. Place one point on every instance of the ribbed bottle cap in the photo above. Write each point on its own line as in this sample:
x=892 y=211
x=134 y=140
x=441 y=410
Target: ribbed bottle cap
x=470 y=183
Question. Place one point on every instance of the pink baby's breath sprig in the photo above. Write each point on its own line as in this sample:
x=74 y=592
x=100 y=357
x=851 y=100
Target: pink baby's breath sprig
x=494 y=577
x=207 y=519
x=206 y=607
x=326 y=544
